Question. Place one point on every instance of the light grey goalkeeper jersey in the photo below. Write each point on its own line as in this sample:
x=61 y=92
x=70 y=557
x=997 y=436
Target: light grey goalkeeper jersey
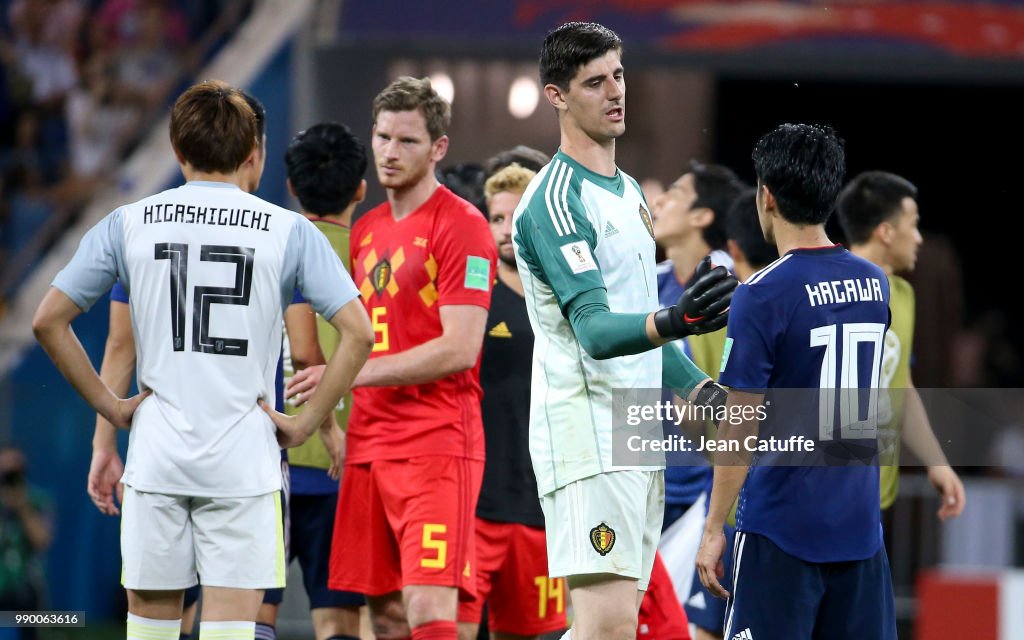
x=575 y=231
x=209 y=269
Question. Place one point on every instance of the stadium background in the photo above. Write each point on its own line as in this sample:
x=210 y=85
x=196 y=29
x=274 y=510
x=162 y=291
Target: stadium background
x=929 y=90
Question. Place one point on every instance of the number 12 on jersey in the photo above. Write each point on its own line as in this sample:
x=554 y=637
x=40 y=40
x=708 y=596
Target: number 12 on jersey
x=203 y=297
x=850 y=378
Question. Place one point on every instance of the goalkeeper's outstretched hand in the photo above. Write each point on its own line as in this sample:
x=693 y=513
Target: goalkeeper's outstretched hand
x=703 y=307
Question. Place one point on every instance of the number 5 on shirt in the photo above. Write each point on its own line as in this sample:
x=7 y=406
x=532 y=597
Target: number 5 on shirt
x=379 y=327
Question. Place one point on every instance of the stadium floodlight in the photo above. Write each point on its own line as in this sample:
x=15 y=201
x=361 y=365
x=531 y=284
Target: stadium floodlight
x=523 y=96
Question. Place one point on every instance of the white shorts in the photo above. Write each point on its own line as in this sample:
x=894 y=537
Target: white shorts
x=167 y=542
x=607 y=523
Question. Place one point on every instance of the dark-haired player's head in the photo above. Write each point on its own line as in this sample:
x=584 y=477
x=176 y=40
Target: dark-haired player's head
x=260 y=112
x=799 y=170
x=697 y=202
x=213 y=129
x=581 y=70
x=504 y=190
x=326 y=164
x=410 y=126
x=526 y=157
x=880 y=208
x=465 y=180
x=747 y=246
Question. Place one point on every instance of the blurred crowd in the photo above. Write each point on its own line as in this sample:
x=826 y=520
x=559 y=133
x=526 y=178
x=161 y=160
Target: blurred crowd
x=79 y=79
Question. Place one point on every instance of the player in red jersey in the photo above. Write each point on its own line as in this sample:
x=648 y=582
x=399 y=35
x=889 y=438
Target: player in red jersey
x=424 y=262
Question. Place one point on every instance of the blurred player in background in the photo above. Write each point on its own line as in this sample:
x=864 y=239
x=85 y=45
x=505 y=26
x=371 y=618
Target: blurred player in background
x=585 y=249
x=325 y=164
x=512 y=570
x=424 y=262
x=809 y=560
x=879 y=215
x=201 y=492
x=689 y=224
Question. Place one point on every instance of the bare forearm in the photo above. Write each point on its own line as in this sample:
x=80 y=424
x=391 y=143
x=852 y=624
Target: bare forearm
x=726 y=488
x=338 y=377
x=430 y=361
x=116 y=373
x=918 y=433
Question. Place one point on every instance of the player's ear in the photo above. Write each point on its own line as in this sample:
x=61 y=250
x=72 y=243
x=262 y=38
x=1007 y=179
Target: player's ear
x=734 y=250
x=703 y=217
x=883 y=232
x=439 y=148
x=360 y=193
x=771 y=205
x=555 y=96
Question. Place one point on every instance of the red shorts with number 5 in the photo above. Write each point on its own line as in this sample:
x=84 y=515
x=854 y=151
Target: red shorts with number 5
x=406 y=522
x=512 y=570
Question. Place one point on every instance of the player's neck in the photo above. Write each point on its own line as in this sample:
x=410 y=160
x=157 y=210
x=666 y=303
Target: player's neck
x=509 y=276
x=874 y=254
x=599 y=157
x=686 y=255
x=405 y=200
x=193 y=175
x=790 y=236
x=344 y=218
x=742 y=269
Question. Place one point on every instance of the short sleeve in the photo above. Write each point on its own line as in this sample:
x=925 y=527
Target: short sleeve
x=556 y=240
x=749 y=355
x=466 y=259
x=96 y=265
x=319 y=275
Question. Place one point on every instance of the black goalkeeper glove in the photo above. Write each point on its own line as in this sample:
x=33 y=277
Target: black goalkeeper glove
x=703 y=307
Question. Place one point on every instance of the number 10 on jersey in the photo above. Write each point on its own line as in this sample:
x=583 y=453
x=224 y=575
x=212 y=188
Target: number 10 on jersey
x=852 y=380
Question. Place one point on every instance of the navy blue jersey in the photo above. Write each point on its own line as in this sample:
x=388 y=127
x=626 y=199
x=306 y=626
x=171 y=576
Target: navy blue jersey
x=813 y=319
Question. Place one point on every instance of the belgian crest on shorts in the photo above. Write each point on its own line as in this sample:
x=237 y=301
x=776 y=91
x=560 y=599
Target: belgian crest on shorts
x=603 y=538
x=646 y=217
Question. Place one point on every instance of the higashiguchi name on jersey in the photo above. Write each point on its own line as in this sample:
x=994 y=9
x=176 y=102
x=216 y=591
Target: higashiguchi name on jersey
x=814 y=318
x=575 y=231
x=440 y=254
x=206 y=307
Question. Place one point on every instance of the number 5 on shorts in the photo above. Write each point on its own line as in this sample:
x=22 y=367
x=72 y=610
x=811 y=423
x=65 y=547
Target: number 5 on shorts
x=431 y=543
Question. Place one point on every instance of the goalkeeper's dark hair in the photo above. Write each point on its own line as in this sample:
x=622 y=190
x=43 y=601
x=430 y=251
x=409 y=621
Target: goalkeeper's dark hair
x=326 y=163
x=571 y=46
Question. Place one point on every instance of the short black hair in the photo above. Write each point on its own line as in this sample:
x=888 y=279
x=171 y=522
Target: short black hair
x=259 y=111
x=465 y=180
x=743 y=227
x=870 y=199
x=716 y=187
x=570 y=47
x=526 y=157
x=326 y=163
x=803 y=166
